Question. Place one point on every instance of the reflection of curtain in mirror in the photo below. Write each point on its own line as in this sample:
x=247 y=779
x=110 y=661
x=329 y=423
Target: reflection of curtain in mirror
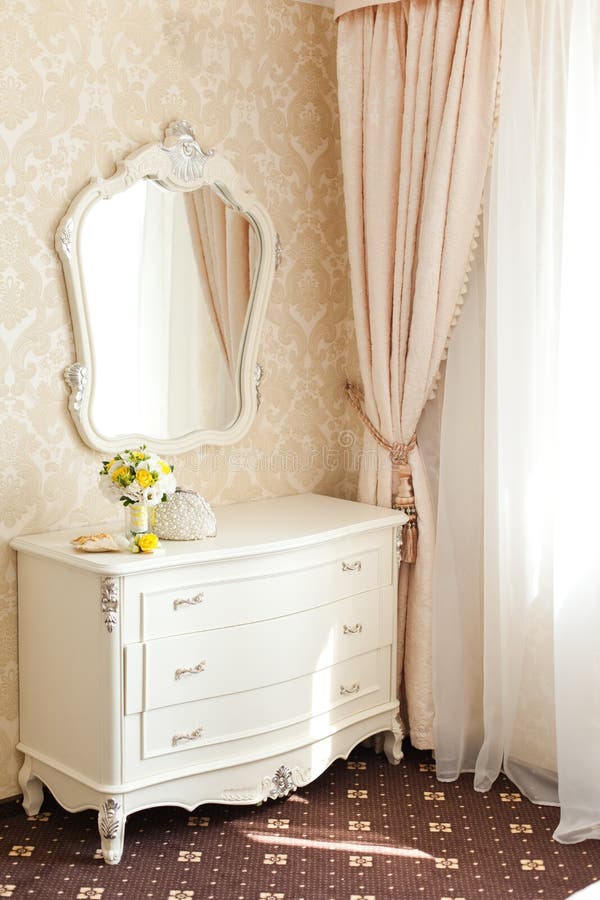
x=199 y=378
x=154 y=311
x=223 y=253
x=180 y=358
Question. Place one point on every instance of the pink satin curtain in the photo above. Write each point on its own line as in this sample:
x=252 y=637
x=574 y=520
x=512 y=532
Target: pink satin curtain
x=222 y=244
x=417 y=92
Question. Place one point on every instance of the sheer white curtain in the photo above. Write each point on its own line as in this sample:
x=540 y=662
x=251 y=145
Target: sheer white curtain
x=517 y=580
x=178 y=352
x=153 y=312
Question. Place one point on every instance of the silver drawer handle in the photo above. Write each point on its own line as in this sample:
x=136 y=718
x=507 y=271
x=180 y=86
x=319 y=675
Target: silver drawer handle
x=350 y=690
x=183 y=738
x=188 y=601
x=352 y=567
x=194 y=670
x=352 y=629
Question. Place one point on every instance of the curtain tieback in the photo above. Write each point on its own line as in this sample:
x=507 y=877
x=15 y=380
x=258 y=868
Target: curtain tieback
x=404 y=498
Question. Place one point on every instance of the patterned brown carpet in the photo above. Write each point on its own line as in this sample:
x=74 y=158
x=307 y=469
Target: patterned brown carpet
x=363 y=831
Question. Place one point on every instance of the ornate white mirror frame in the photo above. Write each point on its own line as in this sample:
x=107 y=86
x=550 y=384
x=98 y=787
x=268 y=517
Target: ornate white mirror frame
x=179 y=164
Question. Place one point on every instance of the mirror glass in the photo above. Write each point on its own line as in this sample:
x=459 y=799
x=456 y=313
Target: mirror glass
x=168 y=266
x=167 y=277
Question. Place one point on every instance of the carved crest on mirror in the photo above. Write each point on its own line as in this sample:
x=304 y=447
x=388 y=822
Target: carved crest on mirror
x=169 y=265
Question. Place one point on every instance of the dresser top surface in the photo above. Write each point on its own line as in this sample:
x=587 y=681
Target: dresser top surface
x=243 y=529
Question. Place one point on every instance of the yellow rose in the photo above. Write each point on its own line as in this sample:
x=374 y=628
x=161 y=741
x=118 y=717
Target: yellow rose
x=121 y=475
x=166 y=468
x=137 y=455
x=147 y=542
x=144 y=478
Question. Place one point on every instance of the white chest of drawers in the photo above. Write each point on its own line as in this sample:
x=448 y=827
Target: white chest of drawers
x=229 y=670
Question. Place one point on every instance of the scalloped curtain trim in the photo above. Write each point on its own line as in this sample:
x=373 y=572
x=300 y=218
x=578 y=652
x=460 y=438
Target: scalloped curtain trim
x=474 y=243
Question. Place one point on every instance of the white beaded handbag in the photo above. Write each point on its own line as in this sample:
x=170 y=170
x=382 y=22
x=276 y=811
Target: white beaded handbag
x=185 y=516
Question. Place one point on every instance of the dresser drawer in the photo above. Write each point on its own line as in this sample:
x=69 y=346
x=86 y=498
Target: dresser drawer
x=224 y=730
x=198 y=598
x=213 y=663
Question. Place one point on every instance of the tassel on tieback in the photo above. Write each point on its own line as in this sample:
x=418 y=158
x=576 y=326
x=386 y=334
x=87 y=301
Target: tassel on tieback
x=404 y=498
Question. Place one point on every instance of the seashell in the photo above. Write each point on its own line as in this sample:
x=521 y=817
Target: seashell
x=95 y=543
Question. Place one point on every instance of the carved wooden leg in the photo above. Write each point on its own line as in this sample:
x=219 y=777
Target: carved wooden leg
x=392 y=745
x=33 y=790
x=111 y=825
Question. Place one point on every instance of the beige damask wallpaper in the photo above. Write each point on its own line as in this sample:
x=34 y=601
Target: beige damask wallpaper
x=82 y=83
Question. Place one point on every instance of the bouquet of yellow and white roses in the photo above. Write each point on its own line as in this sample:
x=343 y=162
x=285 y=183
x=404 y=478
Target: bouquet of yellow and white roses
x=139 y=479
x=137 y=476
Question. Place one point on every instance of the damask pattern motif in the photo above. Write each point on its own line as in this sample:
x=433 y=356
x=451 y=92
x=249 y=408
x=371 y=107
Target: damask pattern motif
x=82 y=83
